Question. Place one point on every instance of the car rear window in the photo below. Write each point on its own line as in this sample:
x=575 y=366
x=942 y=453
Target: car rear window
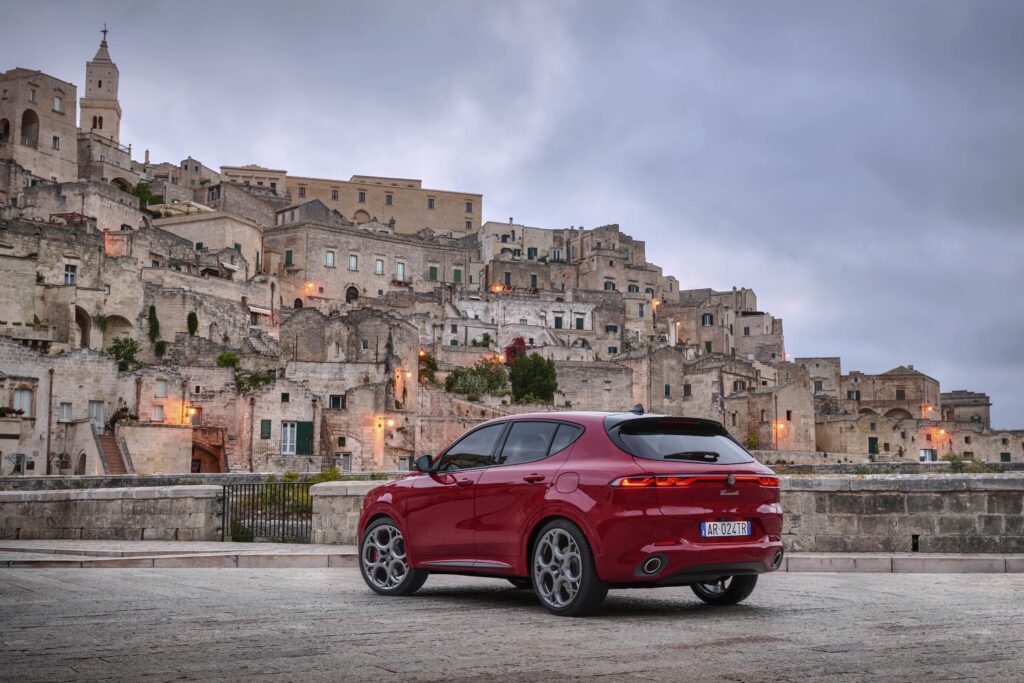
x=678 y=441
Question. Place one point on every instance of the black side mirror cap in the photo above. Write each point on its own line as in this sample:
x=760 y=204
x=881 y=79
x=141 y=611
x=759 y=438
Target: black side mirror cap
x=424 y=463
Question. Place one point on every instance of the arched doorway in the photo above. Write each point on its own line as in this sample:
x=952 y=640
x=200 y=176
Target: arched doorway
x=121 y=184
x=899 y=414
x=115 y=326
x=213 y=332
x=5 y=130
x=351 y=294
x=84 y=324
x=80 y=463
x=297 y=303
x=361 y=217
x=30 y=128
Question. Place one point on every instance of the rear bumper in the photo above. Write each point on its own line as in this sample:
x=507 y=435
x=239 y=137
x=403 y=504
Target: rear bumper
x=688 y=563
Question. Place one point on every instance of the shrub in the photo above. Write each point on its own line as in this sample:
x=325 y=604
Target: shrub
x=125 y=350
x=488 y=376
x=428 y=368
x=228 y=359
x=753 y=440
x=193 y=323
x=533 y=377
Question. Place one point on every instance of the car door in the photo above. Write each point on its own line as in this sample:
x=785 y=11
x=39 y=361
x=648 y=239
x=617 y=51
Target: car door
x=509 y=493
x=439 y=508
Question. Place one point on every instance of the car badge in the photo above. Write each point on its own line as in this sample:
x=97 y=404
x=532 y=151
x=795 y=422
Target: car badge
x=731 y=480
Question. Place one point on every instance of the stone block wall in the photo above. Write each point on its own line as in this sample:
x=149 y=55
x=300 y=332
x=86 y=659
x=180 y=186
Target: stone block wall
x=336 y=508
x=943 y=513
x=168 y=513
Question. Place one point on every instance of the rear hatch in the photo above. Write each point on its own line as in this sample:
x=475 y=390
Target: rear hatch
x=701 y=477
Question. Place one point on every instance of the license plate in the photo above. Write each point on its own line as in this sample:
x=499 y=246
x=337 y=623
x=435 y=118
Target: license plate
x=713 y=529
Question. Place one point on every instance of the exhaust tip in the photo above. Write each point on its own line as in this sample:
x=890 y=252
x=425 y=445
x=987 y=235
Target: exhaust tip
x=777 y=560
x=652 y=565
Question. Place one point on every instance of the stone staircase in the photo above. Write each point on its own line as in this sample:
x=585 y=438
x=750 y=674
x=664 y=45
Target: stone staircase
x=111 y=454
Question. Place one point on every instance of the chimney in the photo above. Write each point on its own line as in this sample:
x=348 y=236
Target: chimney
x=510 y=220
x=147 y=158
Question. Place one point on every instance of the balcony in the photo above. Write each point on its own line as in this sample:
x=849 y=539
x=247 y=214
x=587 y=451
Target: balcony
x=28 y=142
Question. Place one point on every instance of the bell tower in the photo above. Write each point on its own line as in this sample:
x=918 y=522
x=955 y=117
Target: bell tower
x=100 y=110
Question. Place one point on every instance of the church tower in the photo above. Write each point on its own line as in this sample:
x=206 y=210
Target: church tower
x=100 y=110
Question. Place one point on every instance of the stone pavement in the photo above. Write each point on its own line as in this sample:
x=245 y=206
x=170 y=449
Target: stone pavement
x=156 y=554
x=323 y=624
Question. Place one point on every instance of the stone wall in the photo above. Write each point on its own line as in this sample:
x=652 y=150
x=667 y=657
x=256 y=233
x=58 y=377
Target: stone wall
x=336 y=508
x=157 y=448
x=170 y=513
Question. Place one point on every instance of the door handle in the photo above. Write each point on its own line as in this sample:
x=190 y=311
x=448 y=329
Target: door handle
x=533 y=478
x=465 y=481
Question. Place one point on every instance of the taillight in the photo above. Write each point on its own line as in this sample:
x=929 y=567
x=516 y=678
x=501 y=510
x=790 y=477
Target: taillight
x=679 y=481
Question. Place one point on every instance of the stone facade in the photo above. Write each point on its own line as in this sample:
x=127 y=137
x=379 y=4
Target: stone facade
x=38 y=125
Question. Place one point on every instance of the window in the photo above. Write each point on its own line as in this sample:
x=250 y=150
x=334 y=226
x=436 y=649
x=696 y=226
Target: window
x=508 y=279
x=640 y=310
x=649 y=290
x=285 y=397
x=264 y=429
x=23 y=401
x=302 y=191
x=329 y=259
x=362 y=196
x=365 y=344
x=457 y=276
x=609 y=286
x=612 y=350
x=607 y=385
x=789 y=416
x=238 y=247
x=901 y=394
x=558 y=322
x=160 y=388
x=611 y=328
x=687 y=390
x=668 y=391
x=1004 y=457
x=70 y=274
x=287 y=257
x=63 y=199
x=400 y=271
x=527 y=441
x=764 y=416
x=32 y=95
x=337 y=402
x=454 y=329
x=1006 y=441
x=342 y=441
x=56 y=142
x=853 y=394
x=656 y=439
x=432 y=273
x=388 y=200
x=469 y=207
x=65 y=412
x=707 y=320
x=556 y=254
x=334 y=195
x=746 y=331
x=634 y=288
x=158 y=414
x=469 y=225
x=378 y=267
x=453 y=342
x=476 y=449
x=533 y=281
x=967 y=439
x=817 y=385
x=531 y=253
x=288 y=430
x=707 y=347
x=353 y=262
x=523 y=321
x=579 y=323
x=430 y=202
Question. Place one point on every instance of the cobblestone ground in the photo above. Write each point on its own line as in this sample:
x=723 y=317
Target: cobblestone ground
x=323 y=624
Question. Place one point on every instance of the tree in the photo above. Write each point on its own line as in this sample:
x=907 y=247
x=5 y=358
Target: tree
x=514 y=350
x=428 y=368
x=488 y=376
x=193 y=323
x=146 y=198
x=228 y=359
x=533 y=377
x=124 y=349
x=154 y=325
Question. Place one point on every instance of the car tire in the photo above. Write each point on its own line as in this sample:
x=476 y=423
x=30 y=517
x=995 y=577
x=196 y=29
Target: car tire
x=562 y=571
x=384 y=562
x=520 y=582
x=729 y=590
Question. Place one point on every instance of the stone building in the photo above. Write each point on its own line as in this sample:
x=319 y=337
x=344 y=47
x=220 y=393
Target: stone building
x=38 y=125
x=107 y=204
x=217 y=230
x=902 y=392
x=967 y=406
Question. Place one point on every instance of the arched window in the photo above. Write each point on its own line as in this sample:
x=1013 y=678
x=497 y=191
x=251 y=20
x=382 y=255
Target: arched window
x=297 y=303
x=351 y=294
x=30 y=128
x=94 y=122
x=707 y=320
x=101 y=123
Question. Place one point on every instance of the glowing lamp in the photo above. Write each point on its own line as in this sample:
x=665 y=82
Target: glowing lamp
x=391 y=423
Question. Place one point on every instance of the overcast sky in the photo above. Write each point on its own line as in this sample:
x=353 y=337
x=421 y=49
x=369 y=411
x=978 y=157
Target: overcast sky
x=860 y=165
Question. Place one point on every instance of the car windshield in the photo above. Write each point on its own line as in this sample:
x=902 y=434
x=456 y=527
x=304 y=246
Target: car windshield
x=681 y=440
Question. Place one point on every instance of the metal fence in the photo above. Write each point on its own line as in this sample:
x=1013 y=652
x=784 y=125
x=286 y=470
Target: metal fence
x=268 y=513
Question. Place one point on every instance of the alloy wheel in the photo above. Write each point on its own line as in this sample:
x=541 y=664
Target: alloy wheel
x=557 y=568
x=383 y=556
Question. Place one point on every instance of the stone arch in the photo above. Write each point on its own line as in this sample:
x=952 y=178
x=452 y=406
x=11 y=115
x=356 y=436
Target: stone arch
x=5 y=130
x=30 y=128
x=214 y=330
x=121 y=184
x=866 y=411
x=899 y=413
x=116 y=326
x=361 y=216
x=84 y=325
x=297 y=303
x=351 y=294
x=80 y=463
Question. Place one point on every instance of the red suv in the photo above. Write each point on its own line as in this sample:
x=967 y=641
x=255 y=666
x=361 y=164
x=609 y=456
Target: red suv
x=572 y=504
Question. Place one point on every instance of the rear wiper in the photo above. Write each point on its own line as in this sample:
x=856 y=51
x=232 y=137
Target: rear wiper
x=699 y=456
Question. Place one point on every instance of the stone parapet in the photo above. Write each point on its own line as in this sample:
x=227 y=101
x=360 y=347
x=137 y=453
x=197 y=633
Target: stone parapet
x=336 y=508
x=169 y=513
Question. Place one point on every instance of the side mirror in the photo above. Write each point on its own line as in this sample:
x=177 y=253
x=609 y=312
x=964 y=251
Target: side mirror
x=423 y=463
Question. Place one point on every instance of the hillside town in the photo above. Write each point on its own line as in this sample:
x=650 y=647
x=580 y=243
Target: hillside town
x=170 y=317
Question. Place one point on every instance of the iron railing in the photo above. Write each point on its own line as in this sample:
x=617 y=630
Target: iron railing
x=268 y=513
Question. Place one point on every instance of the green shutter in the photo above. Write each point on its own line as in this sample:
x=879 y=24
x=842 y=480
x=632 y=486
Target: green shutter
x=457 y=276
x=264 y=429
x=304 y=438
x=288 y=257
x=433 y=273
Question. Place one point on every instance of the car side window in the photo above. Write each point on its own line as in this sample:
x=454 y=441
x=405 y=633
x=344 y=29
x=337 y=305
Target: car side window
x=476 y=449
x=527 y=441
x=564 y=437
